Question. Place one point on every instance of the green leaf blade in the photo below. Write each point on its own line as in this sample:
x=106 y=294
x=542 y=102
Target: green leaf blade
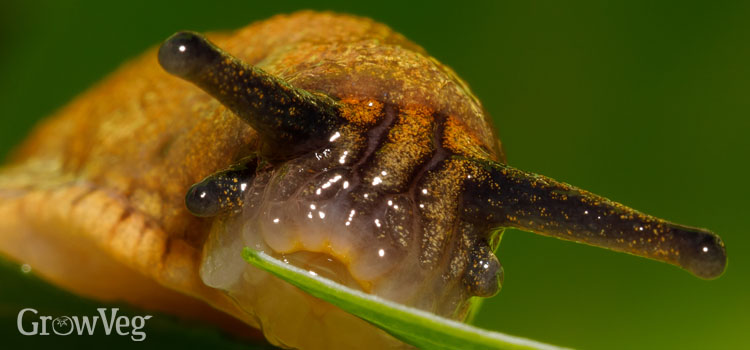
x=416 y=327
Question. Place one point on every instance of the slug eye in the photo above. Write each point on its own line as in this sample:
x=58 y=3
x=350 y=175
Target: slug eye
x=202 y=199
x=184 y=53
x=705 y=255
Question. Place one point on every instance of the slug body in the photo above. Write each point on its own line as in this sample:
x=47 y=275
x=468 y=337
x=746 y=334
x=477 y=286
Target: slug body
x=328 y=141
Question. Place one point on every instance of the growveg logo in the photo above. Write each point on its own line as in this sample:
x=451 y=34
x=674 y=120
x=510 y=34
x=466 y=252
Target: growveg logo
x=30 y=323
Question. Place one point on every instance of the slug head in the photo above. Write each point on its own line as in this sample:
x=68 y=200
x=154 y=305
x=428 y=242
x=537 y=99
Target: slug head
x=395 y=199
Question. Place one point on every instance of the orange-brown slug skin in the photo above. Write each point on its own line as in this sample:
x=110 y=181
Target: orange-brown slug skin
x=94 y=198
x=328 y=141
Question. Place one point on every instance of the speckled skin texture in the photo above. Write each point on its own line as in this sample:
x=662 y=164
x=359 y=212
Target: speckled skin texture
x=367 y=162
x=108 y=174
x=363 y=182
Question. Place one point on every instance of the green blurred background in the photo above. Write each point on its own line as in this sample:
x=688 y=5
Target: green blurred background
x=644 y=102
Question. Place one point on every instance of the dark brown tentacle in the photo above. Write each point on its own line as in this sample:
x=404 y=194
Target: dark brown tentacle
x=282 y=114
x=223 y=191
x=508 y=197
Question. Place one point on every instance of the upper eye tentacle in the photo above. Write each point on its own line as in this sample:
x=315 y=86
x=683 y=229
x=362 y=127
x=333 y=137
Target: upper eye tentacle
x=508 y=197
x=282 y=114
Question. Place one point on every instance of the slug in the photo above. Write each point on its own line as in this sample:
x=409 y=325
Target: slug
x=325 y=140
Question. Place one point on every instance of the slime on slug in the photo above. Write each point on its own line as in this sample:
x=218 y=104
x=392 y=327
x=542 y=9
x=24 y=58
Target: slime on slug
x=327 y=141
x=335 y=194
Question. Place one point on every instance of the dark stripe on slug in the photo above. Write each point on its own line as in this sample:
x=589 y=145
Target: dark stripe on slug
x=439 y=154
x=376 y=136
x=408 y=145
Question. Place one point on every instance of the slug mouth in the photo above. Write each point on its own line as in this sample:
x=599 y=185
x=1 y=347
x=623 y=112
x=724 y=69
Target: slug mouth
x=288 y=316
x=366 y=262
